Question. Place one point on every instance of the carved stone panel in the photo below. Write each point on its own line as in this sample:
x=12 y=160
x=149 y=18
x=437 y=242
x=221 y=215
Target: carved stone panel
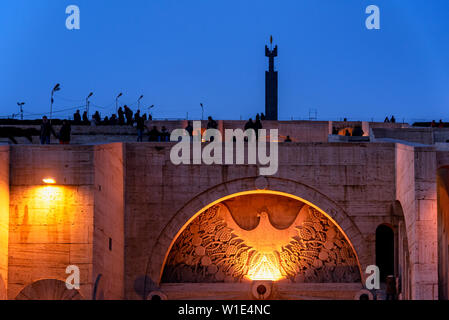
x=214 y=248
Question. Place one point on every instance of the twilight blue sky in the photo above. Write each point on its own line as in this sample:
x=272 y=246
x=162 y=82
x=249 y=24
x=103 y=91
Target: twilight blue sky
x=180 y=53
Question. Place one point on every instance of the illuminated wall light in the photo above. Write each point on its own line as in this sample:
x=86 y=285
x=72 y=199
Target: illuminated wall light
x=49 y=181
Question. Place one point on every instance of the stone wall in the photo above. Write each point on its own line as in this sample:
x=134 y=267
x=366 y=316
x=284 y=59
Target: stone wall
x=416 y=191
x=51 y=226
x=108 y=244
x=443 y=232
x=424 y=251
x=104 y=189
x=4 y=219
x=358 y=178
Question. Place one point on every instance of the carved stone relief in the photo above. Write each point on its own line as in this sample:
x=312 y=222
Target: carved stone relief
x=213 y=248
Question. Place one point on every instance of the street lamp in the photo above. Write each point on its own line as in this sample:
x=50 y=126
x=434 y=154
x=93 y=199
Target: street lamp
x=138 y=102
x=57 y=87
x=20 y=104
x=116 y=102
x=202 y=111
x=87 y=103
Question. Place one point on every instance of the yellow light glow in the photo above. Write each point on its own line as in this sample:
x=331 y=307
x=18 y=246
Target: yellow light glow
x=49 y=180
x=49 y=194
x=265 y=270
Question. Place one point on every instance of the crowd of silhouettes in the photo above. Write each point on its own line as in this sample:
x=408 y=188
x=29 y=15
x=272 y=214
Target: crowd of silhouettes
x=125 y=117
x=391 y=120
x=255 y=125
x=47 y=130
x=440 y=124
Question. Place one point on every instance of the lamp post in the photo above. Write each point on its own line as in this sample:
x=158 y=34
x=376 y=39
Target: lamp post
x=138 y=102
x=20 y=104
x=87 y=103
x=57 y=87
x=202 y=111
x=116 y=102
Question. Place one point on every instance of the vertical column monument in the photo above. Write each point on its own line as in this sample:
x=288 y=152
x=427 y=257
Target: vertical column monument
x=271 y=84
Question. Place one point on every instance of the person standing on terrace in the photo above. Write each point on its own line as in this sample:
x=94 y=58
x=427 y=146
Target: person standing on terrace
x=46 y=131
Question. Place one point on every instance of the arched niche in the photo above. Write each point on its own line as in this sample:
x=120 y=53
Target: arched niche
x=264 y=238
x=48 y=289
x=255 y=185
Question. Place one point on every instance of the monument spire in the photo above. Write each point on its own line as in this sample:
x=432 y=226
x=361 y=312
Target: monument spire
x=271 y=83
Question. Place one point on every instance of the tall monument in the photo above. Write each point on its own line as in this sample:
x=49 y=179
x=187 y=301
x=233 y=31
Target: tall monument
x=271 y=83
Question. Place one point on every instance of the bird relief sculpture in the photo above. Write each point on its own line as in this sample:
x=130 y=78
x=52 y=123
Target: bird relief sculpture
x=214 y=248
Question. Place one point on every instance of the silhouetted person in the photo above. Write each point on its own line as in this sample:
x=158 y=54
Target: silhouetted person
x=144 y=117
x=165 y=136
x=128 y=115
x=357 y=132
x=391 y=288
x=440 y=124
x=433 y=124
x=77 y=117
x=46 y=131
x=121 y=116
x=257 y=125
x=262 y=117
x=113 y=120
x=387 y=120
x=97 y=118
x=347 y=133
x=106 y=121
x=288 y=139
x=249 y=125
x=64 y=132
x=189 y=128
x=154 y=134
x=334 y=131
x=211 y=123
x=85 y=118
x=393 y=119
x=137 y=115
x=140 y=125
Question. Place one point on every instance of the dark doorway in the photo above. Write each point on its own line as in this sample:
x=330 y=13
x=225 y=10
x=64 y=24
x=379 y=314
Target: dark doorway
x=385 y=251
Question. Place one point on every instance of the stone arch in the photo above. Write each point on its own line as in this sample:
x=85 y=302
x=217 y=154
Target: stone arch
x=269 y=185
x=48 y=289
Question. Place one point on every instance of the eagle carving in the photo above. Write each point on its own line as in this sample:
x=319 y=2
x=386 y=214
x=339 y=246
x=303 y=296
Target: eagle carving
x=264 y=238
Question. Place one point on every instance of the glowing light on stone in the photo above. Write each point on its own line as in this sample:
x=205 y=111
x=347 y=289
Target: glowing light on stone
x=265 y=270
x=49 y=180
